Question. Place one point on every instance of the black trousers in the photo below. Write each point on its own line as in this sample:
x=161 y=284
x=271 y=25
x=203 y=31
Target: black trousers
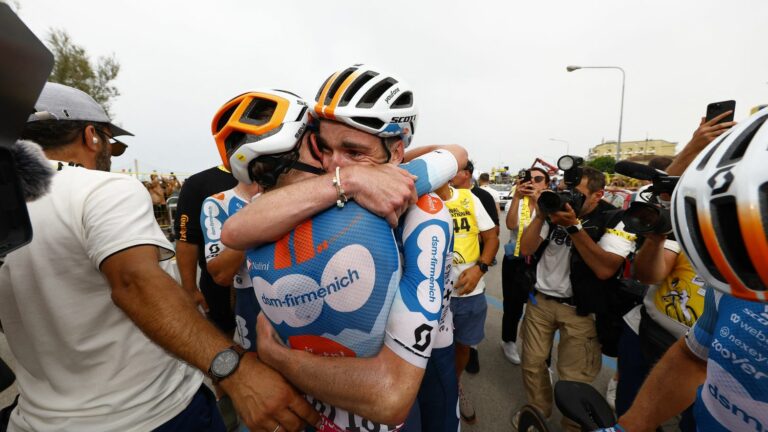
x=515 y=289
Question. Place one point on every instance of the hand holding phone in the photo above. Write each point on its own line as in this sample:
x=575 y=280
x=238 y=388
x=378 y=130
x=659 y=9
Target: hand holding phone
x=717 y=108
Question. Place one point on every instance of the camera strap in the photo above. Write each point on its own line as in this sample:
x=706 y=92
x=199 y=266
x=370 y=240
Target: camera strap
x=525 y=220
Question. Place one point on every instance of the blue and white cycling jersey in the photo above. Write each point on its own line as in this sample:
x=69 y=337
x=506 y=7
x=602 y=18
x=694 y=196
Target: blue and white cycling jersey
x=732 y=337
x=334 y=285
x=215 y=211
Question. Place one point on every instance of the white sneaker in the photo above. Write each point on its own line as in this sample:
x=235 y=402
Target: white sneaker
x=510 y=352
x=610 y=393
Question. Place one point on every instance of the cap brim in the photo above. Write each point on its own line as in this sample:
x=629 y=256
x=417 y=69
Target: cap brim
x=118 y=148
x=118 y=131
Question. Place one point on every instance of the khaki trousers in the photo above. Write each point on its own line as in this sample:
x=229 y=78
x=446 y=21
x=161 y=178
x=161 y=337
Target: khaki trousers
x=578 y=353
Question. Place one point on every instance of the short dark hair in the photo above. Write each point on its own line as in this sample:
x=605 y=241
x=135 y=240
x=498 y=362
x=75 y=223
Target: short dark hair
x=595 y=179
x=484 y=177
x=50 y=134
x=543 y=171
x=470 y=167
x=660 y=162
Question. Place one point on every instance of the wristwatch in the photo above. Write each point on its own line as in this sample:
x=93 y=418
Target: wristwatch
x=483 y=266
x=225 y=363
x=573 y=229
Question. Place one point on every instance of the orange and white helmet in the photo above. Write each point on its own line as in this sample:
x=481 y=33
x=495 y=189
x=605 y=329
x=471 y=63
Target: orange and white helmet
x=369 y=100
x=720 y=211
x=261 y=122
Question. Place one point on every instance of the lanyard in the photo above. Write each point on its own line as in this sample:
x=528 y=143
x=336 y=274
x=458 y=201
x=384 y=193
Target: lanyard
x=525 y=219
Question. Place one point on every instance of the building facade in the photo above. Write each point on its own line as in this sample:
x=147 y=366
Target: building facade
x=634 y=150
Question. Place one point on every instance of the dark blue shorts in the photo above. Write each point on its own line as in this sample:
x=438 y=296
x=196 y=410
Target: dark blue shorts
x=437 y=405
x=469 y=319
x=201 y=415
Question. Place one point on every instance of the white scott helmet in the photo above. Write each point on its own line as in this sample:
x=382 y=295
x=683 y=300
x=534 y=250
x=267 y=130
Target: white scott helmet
x=720 y=211
x=369 y=100
x=262 y=122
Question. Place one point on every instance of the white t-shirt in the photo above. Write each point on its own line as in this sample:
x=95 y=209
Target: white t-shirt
x=494 y=193
x=554 y=268
x=82 y=364
x=484 y=223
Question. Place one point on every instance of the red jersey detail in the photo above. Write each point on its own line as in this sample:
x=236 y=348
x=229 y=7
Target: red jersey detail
x=319 y=345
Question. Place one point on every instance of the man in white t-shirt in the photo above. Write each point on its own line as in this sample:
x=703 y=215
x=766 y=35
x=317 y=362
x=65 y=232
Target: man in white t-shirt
x=91 y=316
x=580 y=253
x=484 y=182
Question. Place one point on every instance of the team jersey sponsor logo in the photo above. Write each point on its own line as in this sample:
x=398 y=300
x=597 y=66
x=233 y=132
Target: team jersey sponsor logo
x=212 y=223
x=343 y=287
x=728 y=401
x=430 y=264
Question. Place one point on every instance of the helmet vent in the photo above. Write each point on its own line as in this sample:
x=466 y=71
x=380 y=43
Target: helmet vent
x=337 y=83
x=317 y=97
x=233 y=141
x=698 y=242
x=709 y=154
x=725 y=221
x=355 y=87
x=259 y=112
x=740 y=144
x=405 y=100
x=224 y=118
x=301 y=114
x=370 y=122
x=375 y=92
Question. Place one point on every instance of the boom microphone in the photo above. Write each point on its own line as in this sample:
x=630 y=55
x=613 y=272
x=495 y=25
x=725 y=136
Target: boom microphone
x=637 y=171
x=33 y=169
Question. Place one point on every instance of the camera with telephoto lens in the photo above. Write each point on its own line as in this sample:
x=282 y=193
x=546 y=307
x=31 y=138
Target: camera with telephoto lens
x=650 y=214
x=550 y=201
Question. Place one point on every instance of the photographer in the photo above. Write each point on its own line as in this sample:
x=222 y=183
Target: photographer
x=516 y=277
x=571 y=282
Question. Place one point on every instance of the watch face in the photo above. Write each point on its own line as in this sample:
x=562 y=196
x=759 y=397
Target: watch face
x=225 y=363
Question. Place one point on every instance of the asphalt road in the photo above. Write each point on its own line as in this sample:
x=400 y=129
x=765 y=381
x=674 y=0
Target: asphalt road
x=496 y=390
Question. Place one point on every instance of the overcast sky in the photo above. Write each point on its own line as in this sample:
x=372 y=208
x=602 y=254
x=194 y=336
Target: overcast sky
x=489 y=75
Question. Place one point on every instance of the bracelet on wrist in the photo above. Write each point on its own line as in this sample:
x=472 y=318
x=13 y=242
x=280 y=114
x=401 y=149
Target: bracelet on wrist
x=341 y=198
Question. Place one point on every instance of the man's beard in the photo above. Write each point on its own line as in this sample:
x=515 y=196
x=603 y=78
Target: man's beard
x=104 y=159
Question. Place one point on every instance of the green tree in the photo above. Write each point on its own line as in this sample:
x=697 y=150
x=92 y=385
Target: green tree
x=73 y=67
x=603 y=163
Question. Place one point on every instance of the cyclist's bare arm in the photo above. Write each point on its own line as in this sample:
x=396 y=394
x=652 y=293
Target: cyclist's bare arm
x=653 y=262
x=669 y=389
x=225 y=266
x=384 y=190
x=380 y=388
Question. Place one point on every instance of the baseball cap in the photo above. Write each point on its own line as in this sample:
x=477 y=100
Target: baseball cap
x=60 y=102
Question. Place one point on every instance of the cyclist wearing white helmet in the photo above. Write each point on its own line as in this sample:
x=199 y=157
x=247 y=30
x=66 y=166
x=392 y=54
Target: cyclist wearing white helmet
x=719 y=216
x=294 y=307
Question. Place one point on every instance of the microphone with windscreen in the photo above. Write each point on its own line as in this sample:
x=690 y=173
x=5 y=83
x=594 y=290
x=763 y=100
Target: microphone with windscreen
x=33 y=169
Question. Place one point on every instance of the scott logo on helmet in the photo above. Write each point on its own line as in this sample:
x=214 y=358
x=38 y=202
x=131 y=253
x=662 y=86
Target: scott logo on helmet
x=721 y=181
x=403 y=119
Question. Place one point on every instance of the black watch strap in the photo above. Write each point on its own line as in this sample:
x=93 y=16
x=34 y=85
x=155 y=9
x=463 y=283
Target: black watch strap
x=483 y=266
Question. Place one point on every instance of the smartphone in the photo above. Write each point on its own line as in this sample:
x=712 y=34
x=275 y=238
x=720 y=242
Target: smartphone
x=716 y=108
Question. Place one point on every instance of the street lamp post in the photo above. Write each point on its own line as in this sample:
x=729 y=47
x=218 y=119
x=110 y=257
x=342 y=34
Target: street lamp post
x=567 y=145
x=621 y=112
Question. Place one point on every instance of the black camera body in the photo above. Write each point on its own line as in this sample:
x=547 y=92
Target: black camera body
x=651 y=215
x=550 y=201
x=524 y=175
